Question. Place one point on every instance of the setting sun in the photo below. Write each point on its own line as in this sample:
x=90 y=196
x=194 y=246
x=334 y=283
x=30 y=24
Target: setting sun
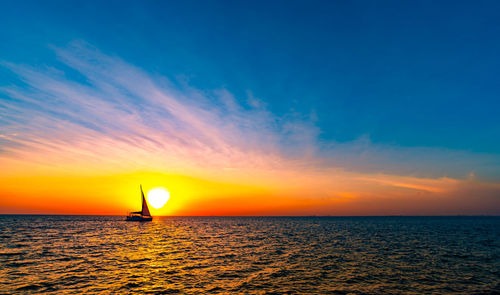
x=157 y=197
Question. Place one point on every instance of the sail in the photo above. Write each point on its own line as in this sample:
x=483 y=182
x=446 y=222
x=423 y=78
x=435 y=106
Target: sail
x=145 y=209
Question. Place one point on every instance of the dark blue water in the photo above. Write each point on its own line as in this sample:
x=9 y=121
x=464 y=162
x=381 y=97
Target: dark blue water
x=372 y=255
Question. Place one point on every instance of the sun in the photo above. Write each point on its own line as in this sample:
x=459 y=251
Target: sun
x=157 y=197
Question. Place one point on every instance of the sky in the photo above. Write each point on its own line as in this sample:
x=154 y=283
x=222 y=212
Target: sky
x=250 y=107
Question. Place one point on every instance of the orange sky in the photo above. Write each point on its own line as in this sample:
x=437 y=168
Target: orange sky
x=280 y=193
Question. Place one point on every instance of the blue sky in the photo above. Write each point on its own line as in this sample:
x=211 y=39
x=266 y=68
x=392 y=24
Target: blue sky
x=388 y=86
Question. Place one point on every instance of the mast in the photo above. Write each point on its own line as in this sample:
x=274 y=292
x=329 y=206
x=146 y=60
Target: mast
x=145 y=209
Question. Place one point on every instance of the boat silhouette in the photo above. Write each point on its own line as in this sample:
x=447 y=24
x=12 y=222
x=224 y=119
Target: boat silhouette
x=142 y=215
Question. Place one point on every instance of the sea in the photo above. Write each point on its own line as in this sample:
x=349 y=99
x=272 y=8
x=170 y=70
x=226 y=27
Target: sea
x=249 y=255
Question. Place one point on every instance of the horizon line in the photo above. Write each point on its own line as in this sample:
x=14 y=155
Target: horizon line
x=395 y=215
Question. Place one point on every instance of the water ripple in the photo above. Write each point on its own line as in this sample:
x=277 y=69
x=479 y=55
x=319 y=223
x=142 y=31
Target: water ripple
x=192 y=255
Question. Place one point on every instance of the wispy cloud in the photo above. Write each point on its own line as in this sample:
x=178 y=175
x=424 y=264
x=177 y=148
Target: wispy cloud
x=95 y=113
x=118 y=112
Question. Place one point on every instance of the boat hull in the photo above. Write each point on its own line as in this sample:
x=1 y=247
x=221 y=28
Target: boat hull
x=139 y=218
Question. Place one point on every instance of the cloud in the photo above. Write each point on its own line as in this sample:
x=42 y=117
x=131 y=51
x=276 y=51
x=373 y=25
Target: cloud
x=118 y=115
x=95 y=113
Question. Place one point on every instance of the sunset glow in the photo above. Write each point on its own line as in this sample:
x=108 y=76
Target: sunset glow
x=84 y=122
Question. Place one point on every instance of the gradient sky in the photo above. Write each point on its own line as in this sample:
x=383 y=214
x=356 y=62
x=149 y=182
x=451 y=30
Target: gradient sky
x=250 y=107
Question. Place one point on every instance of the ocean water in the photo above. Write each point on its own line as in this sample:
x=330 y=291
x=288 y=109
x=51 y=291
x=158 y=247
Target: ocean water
x=253 y=255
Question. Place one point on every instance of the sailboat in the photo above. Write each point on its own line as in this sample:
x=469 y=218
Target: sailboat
x=142 y=215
